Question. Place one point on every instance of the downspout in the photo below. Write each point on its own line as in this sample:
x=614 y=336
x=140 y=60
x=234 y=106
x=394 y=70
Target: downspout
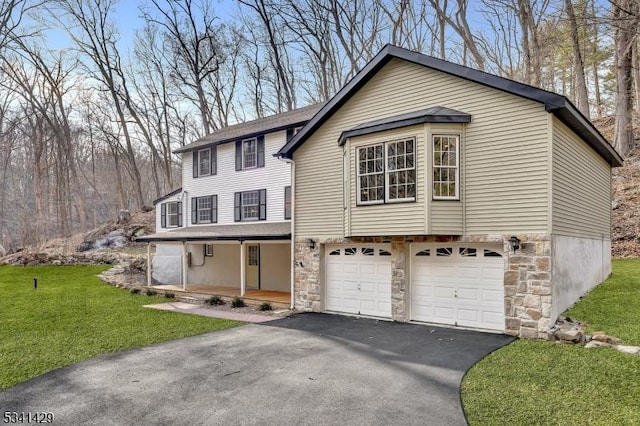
x=293 y=217
x=148 y=264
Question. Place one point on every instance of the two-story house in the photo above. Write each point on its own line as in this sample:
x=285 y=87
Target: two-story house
x=428 y=191
x=227 y=230
x=422 y=191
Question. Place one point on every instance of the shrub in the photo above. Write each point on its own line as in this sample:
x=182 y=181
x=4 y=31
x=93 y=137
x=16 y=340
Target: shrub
x=134 y=290
x=215 y=300
x=265 y=306
x=151 y=292
x=238 y=303
x=169 y=295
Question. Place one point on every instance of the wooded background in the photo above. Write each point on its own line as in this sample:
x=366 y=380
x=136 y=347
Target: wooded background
x=88 y=128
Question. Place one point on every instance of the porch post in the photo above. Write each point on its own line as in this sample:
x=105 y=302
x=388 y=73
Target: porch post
x=184 y=266
x=242 y=270
x=148 y=264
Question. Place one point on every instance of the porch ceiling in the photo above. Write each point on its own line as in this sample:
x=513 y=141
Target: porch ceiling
x=239 y=232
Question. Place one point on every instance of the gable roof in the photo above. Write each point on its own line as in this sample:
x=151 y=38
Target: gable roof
x=165 y=196
x=253 y=128
x=430 y=115
x=556 y=104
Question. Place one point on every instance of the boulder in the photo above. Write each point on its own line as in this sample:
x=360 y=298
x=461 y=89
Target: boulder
x=596 y=344
x=124 y=216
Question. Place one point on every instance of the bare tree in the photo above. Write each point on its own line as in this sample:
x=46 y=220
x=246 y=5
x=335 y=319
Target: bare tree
x=581 y=95
x=626 y=19
x=96 y=39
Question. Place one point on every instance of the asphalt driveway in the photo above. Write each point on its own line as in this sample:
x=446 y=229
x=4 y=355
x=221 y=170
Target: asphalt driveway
x=306 y=369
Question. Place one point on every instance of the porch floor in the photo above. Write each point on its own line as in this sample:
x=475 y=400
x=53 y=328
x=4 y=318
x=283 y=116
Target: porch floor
x=279 y=297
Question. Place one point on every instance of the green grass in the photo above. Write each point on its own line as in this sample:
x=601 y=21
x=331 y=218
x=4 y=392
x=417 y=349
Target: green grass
x=536 y=382
x=73 y=316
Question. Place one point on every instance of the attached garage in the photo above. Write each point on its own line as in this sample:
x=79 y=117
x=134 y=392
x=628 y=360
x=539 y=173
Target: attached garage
x=458 y=284
x=358 y=279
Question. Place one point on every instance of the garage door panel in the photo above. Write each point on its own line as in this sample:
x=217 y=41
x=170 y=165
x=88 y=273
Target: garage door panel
x=463 y=288
x=493 y=297
x=469 y=295
x=440 y=292
x=492 y=274
x=365 y=276
x=444 y=314
x=468 y=316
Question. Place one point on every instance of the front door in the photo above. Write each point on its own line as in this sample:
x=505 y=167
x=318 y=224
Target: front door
x=253 y=266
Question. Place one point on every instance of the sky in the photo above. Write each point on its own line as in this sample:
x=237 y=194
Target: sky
x=128 y=19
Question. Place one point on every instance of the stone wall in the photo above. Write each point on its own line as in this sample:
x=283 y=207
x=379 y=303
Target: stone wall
x=527 y=277
x=527 y=287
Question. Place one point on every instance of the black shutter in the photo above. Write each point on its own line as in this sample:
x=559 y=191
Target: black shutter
x=263 y=204
x=236 y=207
x=179 y=213
x=289 y=134
x=238 y=155
x=194 y=210
x=195 y=164
x=214 y=160
x=214 y=209
x=261 y=151
x=163 y=215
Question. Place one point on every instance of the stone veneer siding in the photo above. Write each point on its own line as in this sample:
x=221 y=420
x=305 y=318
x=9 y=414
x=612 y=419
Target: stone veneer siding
x=527 y=277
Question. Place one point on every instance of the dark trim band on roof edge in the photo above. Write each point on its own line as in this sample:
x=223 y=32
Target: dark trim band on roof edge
x=164 y=197
x=556 y=104
x=189 y=148
x=431 y=115
x=240 y=238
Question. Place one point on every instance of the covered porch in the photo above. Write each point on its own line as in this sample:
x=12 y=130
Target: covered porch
x=250 y=261
x=281 y=299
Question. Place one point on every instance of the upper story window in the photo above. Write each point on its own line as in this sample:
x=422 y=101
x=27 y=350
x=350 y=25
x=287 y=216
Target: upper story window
x=250 y=205
x=204 y=162
x=386 y=172
x=250 y=153
x=171 y=214
x=204 y=209
x=446 y=167
x=287 y=202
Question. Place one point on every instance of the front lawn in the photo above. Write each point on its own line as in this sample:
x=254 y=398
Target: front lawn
x=537 y=382
x=73 y=316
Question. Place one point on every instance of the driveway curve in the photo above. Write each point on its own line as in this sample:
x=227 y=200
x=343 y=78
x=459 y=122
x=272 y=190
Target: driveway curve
x=305 y=369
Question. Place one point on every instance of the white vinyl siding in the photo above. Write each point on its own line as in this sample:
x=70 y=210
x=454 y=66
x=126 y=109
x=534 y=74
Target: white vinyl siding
x=505 y=150
x=581 y=187
x=274 y=176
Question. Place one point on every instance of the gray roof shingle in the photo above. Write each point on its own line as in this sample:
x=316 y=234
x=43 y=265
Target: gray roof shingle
x=239 y=232
x=255 y=127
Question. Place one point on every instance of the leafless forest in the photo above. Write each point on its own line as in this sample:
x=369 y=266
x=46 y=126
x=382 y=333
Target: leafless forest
x=88 y=128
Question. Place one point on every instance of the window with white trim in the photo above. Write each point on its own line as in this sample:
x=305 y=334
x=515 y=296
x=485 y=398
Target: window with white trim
x=446 y=170
x=250 y=205
x=171 y=214
x=249 y=153
x=204 y=209
x=204 y=162
x=386 y=172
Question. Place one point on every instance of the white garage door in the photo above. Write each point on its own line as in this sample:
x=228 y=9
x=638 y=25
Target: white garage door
x=359 y=279
x=458 y=284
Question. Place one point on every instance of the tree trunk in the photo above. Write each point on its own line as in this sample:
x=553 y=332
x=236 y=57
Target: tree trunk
x=581 y=96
